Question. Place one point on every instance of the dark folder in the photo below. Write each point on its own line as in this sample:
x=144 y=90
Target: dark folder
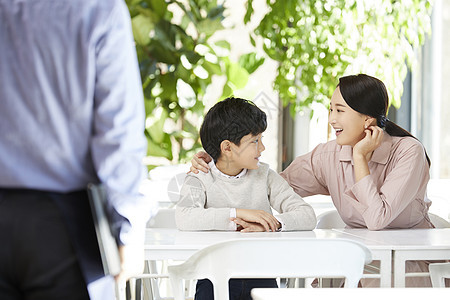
x=103 y=228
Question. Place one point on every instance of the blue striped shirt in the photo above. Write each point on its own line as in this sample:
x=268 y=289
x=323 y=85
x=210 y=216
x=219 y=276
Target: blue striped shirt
x=71 y=103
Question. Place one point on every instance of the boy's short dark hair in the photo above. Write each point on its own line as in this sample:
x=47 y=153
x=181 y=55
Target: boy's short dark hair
x=230 y=119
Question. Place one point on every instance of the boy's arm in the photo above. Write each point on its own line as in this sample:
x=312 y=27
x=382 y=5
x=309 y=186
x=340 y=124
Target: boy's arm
x=191 y=213
x=295 y=213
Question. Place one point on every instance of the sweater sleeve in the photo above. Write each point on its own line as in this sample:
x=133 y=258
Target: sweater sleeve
x=191 y=212
x=404 y=184
x=296 y=214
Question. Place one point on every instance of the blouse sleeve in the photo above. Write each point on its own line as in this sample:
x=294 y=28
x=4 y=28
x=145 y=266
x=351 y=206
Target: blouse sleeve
x=404 y=184
x=304 y=174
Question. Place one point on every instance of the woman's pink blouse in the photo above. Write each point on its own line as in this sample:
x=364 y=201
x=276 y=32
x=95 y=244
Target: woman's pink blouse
x=392 y=196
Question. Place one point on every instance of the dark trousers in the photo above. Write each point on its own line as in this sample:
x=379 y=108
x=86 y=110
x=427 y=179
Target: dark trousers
x=239 y=288
x=37 y=257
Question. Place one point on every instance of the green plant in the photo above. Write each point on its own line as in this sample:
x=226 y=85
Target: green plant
x=318 y=41
x=177 y=62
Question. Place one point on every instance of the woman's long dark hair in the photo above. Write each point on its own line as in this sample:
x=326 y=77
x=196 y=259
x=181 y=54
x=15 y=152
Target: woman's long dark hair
x=368 y=95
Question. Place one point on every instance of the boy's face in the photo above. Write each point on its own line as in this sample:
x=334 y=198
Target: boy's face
x=246 y=155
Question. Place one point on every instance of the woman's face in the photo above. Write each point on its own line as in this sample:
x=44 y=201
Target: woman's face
x=348 y=123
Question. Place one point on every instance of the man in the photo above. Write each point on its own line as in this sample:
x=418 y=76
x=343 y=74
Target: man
x=71 y=112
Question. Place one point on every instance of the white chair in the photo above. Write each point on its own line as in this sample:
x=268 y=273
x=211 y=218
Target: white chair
x=438 y=222
x=438 y=273
x=327 y=220
x=330 y=219
x=269 y=258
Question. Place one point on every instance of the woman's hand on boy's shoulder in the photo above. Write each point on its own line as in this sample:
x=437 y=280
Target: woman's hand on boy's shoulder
x=265 y=219
x=200 y=162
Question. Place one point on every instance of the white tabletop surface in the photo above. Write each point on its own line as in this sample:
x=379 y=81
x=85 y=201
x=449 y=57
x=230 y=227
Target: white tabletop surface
x=161 y=243
x=168 y=238
x=349 y=294
x=168 y=243
x=410 y=239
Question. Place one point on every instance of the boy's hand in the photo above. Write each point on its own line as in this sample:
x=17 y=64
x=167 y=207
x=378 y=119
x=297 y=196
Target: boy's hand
x=200 y=162
x=268 y=221
x=248 y=226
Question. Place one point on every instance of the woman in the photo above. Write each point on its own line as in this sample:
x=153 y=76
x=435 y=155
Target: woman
x=377 y=178
x=375 y=171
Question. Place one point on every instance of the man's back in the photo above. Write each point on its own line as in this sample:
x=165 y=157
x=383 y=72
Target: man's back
x=57 y=102
x=71 y=112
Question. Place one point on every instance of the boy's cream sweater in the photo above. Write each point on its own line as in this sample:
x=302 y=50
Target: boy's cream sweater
x=207 y=198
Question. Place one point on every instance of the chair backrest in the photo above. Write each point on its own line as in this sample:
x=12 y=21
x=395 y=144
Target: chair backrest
x=438 y=222
x=164 y=218
x=438 y=273
x=269 y=258
x=330 y=219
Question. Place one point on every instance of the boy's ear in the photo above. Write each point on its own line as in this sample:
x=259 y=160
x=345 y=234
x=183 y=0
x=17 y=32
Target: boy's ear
x=225 y=147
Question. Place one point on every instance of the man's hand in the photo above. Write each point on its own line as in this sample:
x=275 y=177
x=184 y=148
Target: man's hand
x=200 y=162
x=265 y=219
x=132 y=262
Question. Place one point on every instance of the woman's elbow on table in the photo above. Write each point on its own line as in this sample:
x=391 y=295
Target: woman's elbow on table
x=376 y=225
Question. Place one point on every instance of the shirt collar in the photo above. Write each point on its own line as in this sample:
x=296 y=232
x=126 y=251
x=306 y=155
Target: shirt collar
x=213 y=167
x=380 y=155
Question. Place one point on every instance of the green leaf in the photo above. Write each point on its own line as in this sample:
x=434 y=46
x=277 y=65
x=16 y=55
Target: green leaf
x=227 y=91
x=149 y=105
x=159 y=7
x=212 y=68
x=223 y=44
x=163 y=149
x=216 y=12
x=249 y=12
x=156 y=130
x=165 y=34
x=251 y=62
x=315 y=43
x=252 y=40
x=189 y=127
x=193 y=57
x=237 y=75
x=162 y=53
x=141 y=29
x=168 y=84
x=208 y=26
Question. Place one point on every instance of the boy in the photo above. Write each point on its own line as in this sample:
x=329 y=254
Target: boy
x=239 y=191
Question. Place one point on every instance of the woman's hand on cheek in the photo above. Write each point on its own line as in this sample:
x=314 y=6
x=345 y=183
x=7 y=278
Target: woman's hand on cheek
x=372 y=140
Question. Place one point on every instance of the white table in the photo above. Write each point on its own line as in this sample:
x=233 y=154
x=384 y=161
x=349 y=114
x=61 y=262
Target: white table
x=408 y=244
x=349 y=294
x=163 y=243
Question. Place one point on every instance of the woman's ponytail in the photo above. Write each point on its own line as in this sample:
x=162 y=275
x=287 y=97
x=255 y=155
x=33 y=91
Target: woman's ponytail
x=368 y=95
